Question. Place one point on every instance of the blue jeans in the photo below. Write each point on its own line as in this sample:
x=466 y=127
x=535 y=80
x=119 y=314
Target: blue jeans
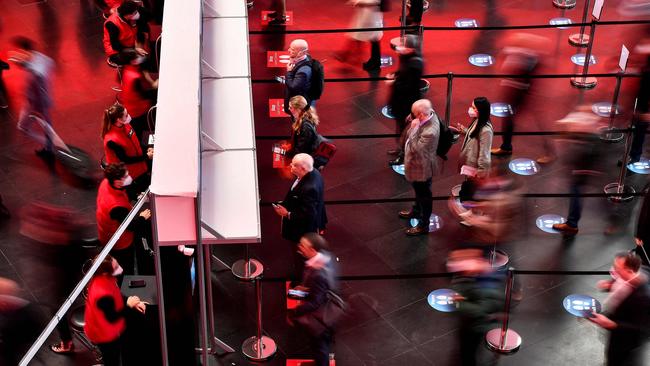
x=575 y=204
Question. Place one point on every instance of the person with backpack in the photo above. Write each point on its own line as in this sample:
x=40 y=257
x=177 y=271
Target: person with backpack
x=304 y=75
x=304 y=138
x=405 y=85
x=421 y=163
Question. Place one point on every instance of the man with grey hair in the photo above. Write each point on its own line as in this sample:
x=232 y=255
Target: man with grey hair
x=421 y=162
x=303 y=209
x=298 y=76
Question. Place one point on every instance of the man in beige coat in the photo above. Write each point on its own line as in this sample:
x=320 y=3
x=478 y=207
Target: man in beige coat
x=421 y=163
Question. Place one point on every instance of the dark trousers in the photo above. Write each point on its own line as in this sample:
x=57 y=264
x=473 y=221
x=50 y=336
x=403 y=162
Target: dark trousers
x=423 y=204
x=415 y=12
x=638 y=137
x=375 y=53
x=470 y=340
x=320 y=347
x=111 y=353
x=508 y=129
x=575 y=203
x=3 y=89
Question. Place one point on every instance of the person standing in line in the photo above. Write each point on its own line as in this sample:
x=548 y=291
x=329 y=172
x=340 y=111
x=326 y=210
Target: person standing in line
x=38 y=101
x=298 y=77
x=626 y=314
x=475 y=151
x=421 y=163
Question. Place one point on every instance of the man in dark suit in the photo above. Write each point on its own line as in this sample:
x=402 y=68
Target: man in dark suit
x=421 y=163
x=628 y=311
x=303 y=209
x=298 y=76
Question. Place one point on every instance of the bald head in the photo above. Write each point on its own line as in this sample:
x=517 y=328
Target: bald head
x=302 y=164
x=297 y=48
x=422 y=107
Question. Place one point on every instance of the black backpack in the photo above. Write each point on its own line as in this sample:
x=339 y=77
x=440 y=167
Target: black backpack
x=317 y=80
x=446 y=140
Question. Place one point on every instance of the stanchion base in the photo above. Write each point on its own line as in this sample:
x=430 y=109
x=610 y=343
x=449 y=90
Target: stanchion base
x=250 y=348
x=579 y=40
x=386 y=112
x=499 y=258
x=607 y=136
x=511 y=344
x=397 y=41
x=565 y=4
x=625 y=191
x=584 y=83
x=247 y=271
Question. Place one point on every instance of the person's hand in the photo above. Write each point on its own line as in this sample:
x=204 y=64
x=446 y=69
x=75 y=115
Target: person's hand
x=154 y=84
x=150 y=153
x=462 y=129
x=602 y=321
x=290 y=65
x=146 y=214
x=281 y=210
x=141 y=51
x=414 y=123
x=604 y=285
x=134 y=302
x=638 y=242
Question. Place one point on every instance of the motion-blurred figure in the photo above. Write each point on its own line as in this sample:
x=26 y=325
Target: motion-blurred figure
x=626 y=313
x=367 y=14
x=523 y=53
x=37 y=93
x=582 y=155
x=480 y=298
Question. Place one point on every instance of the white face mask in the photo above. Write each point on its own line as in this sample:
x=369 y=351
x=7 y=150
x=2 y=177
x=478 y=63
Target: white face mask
x=127 y=120
x=135 y=16
x=117 y=271
x=472 y=112
x=127 y=181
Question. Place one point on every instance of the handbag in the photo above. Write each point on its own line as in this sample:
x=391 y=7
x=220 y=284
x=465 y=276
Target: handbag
x=326 y=317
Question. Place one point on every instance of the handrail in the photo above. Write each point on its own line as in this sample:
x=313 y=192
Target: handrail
x=83 y=283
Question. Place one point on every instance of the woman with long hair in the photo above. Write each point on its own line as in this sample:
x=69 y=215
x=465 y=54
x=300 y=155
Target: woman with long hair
x=304 y=138
x=121 y=144
x=475 y=151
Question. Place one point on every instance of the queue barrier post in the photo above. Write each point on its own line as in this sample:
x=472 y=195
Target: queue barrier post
x=503 y=340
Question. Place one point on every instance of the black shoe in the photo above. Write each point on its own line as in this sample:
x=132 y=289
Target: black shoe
x=371 y=66
x=398 y=161
x=45 y=154
x=418 y=230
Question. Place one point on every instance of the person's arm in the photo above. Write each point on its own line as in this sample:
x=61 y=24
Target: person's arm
x=145 y=89
x=484 y=146
x=304 y=142
x=138 y=224
x=307 y=209
x=316 y=298
x=122 y=156
x=114 y=36
x=297 y=82
x=107 y=306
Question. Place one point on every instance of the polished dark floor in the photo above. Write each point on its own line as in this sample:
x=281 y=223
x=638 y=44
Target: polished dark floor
x=392 y=324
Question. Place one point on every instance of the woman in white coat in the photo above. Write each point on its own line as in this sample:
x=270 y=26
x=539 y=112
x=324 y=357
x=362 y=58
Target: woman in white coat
x=474 y=159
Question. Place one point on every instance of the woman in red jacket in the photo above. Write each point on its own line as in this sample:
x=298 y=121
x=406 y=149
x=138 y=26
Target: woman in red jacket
x=121 y=144
x=104 y=315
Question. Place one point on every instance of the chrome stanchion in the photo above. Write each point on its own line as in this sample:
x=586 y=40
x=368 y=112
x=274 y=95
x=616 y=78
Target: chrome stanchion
x=259 y=347
x=580 y=39
x=399 y=41
x=504 y=340
x=565 y=4
x=450 y=82
x=606 y=134
x=247 y=269
x=624 y=193
x=586 y=82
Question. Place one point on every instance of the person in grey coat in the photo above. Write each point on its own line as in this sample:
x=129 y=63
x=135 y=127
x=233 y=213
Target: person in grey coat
x=475 y=151
x=421 y=163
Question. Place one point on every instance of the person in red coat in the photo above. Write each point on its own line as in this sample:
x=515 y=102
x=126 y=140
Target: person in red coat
x=105 y=309
x=113 y=206
x=121 y=144
x=139 y=90
x=123 y=30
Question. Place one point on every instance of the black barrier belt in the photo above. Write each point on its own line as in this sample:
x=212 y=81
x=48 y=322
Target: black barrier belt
x=465 y=76
x=415 y=276
x=369 y=201
x=496 y=133
x=414 y=27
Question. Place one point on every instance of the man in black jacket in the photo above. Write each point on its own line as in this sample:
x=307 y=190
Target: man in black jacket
x=628 y=311
x=298 y=76
x=303 y=209
x=405 y=86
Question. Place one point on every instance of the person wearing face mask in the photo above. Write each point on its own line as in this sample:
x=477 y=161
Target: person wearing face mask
x=475 y=151
x=105 y=311
x=113 y=207
x=626 y=313
x=121 y=144
x=123 y=30
x=139 y=90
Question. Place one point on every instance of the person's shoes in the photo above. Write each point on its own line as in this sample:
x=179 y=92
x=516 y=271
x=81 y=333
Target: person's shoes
x=405 y=214
x=417 y=230
x=279 y=21
x=398 y=161
x=566 y=229
x=371 y=65
x=546 y=159
x=63 y=348
x=45 y=154
x=500 y=152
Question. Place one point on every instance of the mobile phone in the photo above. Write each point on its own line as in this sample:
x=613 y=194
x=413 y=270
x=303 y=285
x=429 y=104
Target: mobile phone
x=137 y=283
x=280 y=79
x=297 y=294
x=275 y=205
